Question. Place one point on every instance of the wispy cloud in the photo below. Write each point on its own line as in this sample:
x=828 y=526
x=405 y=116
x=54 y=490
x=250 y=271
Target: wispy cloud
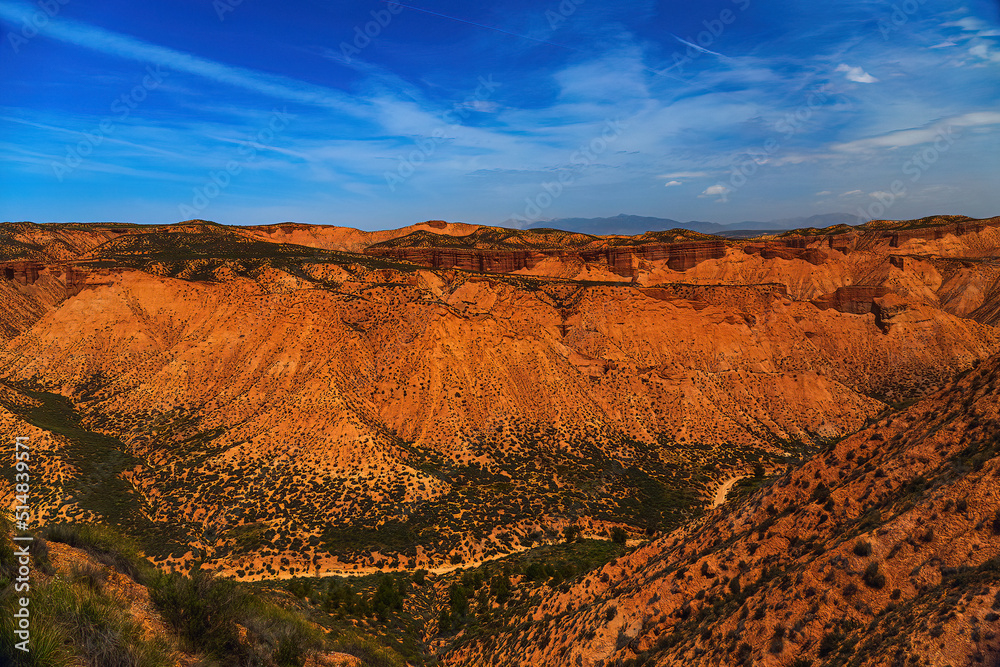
x=123 y=46
x=697 y=47
x=685 y=174
x=920 y=135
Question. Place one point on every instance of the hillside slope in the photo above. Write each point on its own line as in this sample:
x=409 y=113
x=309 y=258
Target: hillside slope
x=884 y=549
x=270 y=409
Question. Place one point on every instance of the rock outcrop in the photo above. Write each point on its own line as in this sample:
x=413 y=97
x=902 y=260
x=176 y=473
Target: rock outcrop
x=620 y=260
x=854 y=299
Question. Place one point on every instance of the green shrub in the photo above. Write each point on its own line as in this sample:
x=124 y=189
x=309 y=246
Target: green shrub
x=40 y=555
x=366 y=650
x=207 y=612
x=105 y=544
x=500 y=588
x=73 y=624
x=90 y=575
x=571 y=533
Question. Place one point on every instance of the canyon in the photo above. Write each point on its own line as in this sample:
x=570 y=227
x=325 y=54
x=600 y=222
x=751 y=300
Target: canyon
x=292 y=400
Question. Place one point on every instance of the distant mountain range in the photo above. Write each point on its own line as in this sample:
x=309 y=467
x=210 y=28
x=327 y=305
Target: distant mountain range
x=629 y=225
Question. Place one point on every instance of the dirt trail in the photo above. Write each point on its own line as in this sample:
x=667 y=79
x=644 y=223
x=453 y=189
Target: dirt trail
x=723 y=490
x=441 y=569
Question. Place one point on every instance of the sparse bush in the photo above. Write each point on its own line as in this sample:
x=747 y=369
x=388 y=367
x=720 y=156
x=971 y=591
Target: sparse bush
x=820 y=494
x=500 y=588
x=873 y=576
x=777 y=644
x=744 y=654
x=571 y=533
x=863 y=548
x=444 y=621
x=830 y=642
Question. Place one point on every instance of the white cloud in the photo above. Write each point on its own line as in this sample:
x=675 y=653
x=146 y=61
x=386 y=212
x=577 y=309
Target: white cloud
x=982 y=50
x=855 y=74
x=685 y=174
x=720 y=191
x=882 y=194
x=914 y=136
x=482 y=106
x=851 y=193
x=670 y=184
x=823 y=193
x=968 y=24
x=944 y=44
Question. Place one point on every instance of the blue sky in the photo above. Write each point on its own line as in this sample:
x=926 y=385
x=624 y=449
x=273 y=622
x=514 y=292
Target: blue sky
x=375 y=115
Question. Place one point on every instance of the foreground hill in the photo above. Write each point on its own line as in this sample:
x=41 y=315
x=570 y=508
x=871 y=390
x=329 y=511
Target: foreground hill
x=271 y=408
x=883 y=549
x=94 y=601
